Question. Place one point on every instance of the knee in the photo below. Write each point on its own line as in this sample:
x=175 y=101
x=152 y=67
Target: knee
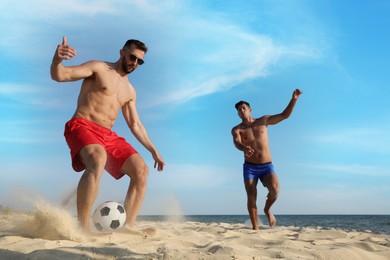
x=273 y=191
x=94 y=160
x=141 y=172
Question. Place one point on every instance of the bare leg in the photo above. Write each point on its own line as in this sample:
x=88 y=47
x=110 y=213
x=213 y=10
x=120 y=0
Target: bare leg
x=137 y=170
x=272 y=184
x=94 y=157
x=251 y=192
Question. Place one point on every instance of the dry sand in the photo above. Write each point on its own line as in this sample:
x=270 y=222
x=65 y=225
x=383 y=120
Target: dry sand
x=51 y=233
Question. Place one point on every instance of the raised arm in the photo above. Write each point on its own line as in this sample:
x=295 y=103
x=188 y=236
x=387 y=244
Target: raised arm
x=274 y=119
x=131 y=116
x=61 y=73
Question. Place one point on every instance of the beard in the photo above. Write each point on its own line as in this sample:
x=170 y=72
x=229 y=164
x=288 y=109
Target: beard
x=125 y=68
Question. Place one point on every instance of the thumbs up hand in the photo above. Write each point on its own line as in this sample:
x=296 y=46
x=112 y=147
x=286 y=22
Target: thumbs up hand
x=64 y=51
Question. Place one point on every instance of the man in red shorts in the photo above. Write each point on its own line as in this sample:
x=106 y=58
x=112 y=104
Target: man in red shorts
x=105 y=91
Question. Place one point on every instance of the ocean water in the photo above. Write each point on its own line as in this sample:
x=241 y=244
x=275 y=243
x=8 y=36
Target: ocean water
x=373 y=223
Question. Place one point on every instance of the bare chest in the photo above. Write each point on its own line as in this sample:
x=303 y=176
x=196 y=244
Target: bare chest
x=109 y=86
x=253 y=133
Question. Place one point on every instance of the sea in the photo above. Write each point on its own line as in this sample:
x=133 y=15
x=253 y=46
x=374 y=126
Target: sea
x=363 y=223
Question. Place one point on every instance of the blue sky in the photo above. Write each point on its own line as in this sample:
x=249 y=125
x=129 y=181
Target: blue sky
x=331 y=156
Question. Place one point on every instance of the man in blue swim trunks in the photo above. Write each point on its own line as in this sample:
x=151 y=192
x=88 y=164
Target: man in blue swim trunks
x=251 y=137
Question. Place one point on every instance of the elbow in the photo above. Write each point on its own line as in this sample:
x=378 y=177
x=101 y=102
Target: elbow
x=285 y=115
x=55 y=78
x=134 y=127
x=56 y=74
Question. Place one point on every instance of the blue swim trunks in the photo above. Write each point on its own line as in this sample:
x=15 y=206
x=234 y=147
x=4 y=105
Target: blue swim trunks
x=257 y=171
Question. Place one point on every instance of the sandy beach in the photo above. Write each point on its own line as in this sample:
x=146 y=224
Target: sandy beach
x=51 y=233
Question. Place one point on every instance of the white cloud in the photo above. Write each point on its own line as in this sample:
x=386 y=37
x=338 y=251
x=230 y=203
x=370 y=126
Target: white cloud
x=30 y=131
x=28 y=136
x=207 y=55
x=232 y=56
x=375 y=138
x=43 y=97
x=19 y=89
x=355 y=169
x=53 y=10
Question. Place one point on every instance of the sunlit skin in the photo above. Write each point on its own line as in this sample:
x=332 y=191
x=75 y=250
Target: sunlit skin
x=105 y=91
x=251 y=137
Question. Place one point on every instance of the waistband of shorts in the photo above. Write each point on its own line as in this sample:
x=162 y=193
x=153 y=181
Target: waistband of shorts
x=94 y=125
x=258 y=164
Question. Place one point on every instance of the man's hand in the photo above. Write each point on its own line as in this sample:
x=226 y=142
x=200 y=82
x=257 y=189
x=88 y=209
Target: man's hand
x=158 y=162
x=64 y=51
x=296 y=93
x=248 y=151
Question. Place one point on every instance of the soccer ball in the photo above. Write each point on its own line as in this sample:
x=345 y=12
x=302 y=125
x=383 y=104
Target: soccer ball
x=109 y=216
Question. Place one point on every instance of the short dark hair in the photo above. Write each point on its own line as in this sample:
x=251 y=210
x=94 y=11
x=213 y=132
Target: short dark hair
x=241 y=103
x=138 y=44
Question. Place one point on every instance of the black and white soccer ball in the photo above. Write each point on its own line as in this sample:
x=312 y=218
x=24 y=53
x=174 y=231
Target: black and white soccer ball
x=109 y=216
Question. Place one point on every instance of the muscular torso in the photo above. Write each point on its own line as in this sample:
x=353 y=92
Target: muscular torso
x=256 y=136
x=103 y=94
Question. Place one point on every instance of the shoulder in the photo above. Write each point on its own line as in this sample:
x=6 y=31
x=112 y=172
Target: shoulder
x=132 y=89
x=96 y=64
x=128 y=94
x=236 y=128
x=263 y=120
x=264 y=117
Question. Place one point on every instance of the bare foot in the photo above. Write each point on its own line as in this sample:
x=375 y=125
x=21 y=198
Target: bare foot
x=271 y=218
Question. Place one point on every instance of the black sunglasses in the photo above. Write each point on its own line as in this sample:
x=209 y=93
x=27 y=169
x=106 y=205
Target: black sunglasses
x=135 y=58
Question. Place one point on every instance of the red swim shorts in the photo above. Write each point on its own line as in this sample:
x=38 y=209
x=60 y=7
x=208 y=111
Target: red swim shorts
x=80 y=132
